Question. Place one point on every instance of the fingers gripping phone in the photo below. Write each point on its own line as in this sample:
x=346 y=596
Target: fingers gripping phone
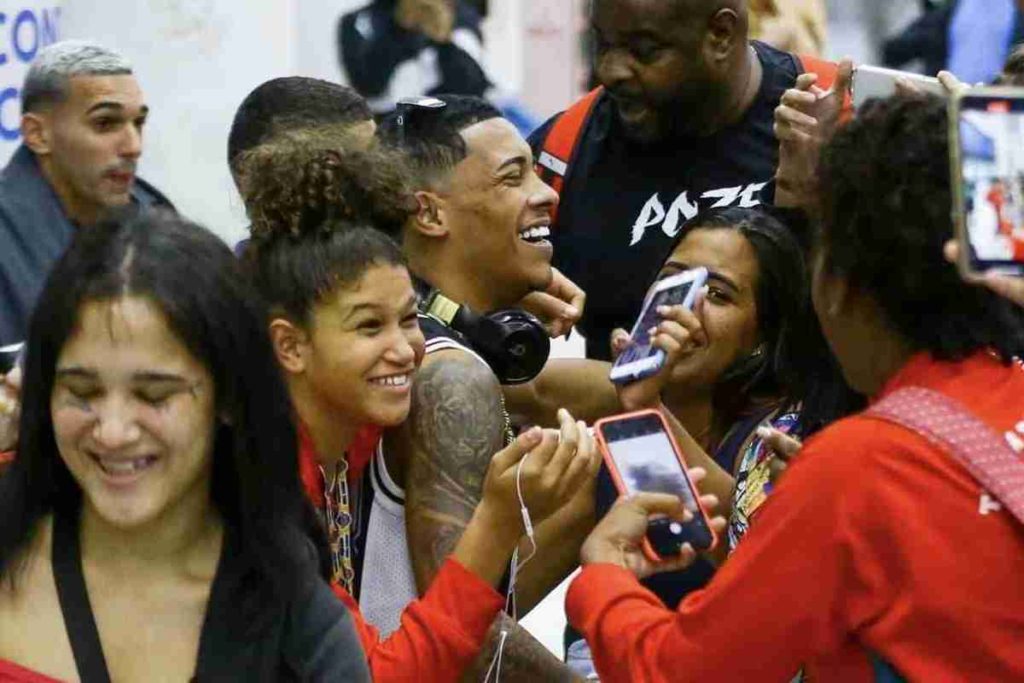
x=643 y=457
x=874 y=81
x=640 y=359
x=987 y=159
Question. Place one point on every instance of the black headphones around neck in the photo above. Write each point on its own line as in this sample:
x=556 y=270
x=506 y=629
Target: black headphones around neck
x=513 y=342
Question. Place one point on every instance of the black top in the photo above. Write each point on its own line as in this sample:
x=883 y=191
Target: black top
x=623 y=202
x=312 y=638
x=373 y=47
x=34 y=232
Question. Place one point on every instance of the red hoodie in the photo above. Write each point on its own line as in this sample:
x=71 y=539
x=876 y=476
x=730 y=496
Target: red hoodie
x=876 y=546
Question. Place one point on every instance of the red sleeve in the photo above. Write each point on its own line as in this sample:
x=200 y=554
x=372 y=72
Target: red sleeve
x=6 y=458
x=827 y=72
x=772 y=607
x=440 y=634
x=14 y=673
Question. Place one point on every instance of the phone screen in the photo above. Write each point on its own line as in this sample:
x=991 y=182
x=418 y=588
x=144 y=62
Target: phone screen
x=646 y=461
x=992 y=178
x=641 y=347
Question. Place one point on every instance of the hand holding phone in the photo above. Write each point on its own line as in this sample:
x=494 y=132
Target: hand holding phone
x=641 y=357
x=618 y=538
x=679 y=334
x=987 y=168
x=643 y=457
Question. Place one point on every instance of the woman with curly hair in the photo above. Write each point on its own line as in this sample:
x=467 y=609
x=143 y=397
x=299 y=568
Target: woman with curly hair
x=880 y=555
x=344 y=327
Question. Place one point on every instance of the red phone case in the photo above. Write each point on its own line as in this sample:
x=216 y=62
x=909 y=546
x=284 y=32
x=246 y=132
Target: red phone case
x=620 y=486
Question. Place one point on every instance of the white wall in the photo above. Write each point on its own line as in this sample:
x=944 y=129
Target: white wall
x=25 y=27
x=316 y=36
x=503 y=40
x=195 y=60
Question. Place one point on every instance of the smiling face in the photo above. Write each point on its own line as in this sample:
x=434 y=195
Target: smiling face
x=133 y=414
x=649 y=58
x=364 y=348
x=729 y=311
x=498 y=212
x=89 y=143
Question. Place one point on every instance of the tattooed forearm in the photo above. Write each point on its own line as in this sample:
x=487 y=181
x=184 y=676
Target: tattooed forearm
x=455 y=427
x=523 y=659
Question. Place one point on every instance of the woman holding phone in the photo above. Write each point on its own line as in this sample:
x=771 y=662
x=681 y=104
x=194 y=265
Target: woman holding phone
x=880 y=587
x=154 y=524
x=343 y=323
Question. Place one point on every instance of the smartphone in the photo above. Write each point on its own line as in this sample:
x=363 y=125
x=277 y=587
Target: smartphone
x=10 y=356
x=640 y=359
x=643 y=457
x=875 y=81
x=987 y=165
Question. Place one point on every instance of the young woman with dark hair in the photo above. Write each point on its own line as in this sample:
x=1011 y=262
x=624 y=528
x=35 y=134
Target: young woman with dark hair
x=789 y=382
x=892 y=528
x=154 y=524
x=343 y=322
x=755 y=357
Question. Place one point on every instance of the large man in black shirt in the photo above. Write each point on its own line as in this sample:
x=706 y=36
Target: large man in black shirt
x=683 y=123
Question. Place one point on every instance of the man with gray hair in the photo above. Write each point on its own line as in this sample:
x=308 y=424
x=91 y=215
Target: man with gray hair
x=82 y=120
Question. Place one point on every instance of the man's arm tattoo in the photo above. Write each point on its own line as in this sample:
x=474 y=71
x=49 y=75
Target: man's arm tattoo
x=455 y=427
x=524 y=659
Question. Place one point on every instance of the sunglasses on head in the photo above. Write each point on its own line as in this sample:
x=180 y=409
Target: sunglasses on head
x=409 y=109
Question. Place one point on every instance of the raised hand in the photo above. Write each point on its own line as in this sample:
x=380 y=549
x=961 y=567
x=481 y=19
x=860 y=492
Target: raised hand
x=679 y=334
x=1007 y=286
x=555 y=464
x=559 y=307
x=805 y=120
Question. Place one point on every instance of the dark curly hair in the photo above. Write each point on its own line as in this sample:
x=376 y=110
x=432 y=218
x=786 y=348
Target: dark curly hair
x=301 y=181
x=885 y=204
x=323 y=211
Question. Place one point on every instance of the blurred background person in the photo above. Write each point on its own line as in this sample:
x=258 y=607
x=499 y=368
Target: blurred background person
x=971 y=38
x=799 y=26
x=392 y=49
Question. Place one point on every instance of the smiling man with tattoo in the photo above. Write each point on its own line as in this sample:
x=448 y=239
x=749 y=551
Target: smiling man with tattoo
x=479 y=237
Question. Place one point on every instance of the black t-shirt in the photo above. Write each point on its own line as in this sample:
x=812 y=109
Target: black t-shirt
x=623 y=203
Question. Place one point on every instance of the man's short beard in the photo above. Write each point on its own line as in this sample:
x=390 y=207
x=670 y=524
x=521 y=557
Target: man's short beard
x=691 y=113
